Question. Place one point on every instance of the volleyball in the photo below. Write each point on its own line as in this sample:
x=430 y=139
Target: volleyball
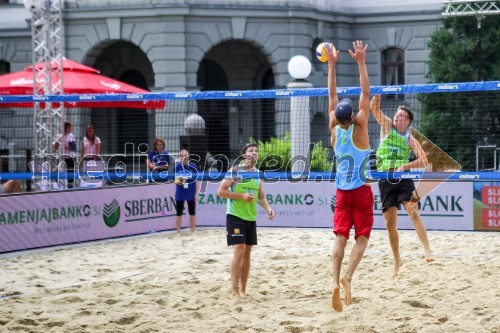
x=321 y=53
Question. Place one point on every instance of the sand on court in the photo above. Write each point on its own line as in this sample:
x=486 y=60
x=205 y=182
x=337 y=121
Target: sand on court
x=163 y=283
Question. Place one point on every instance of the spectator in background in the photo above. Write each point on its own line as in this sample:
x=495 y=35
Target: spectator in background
x=11 y=186
x=91 y=149
x=91 y=145
x=186 y=190
x=67 y=140
x=158 y=159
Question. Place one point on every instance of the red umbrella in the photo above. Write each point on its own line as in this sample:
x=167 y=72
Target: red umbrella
x=78 y=79
x=68 y=65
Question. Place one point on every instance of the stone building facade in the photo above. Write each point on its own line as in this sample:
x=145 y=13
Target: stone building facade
x=197 y=45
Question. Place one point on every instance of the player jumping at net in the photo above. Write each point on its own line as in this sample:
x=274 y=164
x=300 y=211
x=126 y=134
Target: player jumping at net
x=354 y=197
x=242 y=196
x=393 y=154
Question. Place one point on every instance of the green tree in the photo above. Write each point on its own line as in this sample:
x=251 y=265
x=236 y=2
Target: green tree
x=460 y=52
x=276 y=154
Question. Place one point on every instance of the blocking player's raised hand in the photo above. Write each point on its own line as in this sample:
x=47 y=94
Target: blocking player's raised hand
x=332 y=55
x=375 y=104
x=359 y=53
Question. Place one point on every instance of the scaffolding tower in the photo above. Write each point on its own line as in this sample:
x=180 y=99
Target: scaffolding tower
x=48 y=53
x=477 y=8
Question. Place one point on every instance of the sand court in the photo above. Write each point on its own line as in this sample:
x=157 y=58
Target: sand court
x=163 y=283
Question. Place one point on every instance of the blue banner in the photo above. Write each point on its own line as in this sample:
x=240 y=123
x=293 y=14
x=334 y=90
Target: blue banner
x=253 y=94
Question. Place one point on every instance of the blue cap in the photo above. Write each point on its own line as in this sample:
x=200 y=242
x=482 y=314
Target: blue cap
x=343 y=111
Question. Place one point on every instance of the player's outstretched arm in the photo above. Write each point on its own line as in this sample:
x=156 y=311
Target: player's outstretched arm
x=359 y=55
x=384 y=121
x=333 y=98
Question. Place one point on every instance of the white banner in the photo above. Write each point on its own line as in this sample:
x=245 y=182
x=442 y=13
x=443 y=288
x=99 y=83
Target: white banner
x=53 y=218
x=448 y=207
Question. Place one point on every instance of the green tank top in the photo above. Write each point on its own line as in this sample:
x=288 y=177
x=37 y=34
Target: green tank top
x=244 y=210
x=393 y=151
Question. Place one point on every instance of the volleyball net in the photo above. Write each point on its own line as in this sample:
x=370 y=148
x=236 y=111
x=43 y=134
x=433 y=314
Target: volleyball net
x=456 y=124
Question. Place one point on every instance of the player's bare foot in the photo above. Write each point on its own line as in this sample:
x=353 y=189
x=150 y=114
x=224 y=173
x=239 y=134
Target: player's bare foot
x=243 y=293
x=347 y=286
x=397 y=266
x=429 y=256
x=336 y=302
x=235 y=295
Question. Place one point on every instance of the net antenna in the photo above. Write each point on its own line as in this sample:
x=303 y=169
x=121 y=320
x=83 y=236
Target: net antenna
x=47 y=49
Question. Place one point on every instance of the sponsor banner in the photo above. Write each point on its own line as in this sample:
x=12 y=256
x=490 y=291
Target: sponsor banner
x=448 y=207
x=53 y=218
x=487 y=206
x=295 y=205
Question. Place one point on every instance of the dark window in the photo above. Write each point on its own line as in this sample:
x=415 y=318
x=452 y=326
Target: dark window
x=4 y=65
x=268 y=123
x=212 y=77
x=393 y=69
x=136 y=131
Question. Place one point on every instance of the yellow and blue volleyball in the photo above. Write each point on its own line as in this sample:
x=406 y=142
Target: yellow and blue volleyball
x=321 y=53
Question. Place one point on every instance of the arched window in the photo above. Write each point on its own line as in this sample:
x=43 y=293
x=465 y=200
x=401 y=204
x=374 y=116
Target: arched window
x=314 y=58
x=393 y=69
x=215 y=112
x=4 y=67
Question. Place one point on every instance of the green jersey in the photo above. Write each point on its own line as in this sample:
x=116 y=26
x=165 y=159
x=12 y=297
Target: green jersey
x=244 y=210
x=393 y=151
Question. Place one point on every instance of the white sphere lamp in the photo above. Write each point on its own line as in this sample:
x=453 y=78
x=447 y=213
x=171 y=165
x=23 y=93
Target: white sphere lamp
x=299 y=67
x=37 y=5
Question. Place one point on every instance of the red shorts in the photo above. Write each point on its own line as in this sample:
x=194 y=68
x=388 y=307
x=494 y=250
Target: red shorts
x=353 y=207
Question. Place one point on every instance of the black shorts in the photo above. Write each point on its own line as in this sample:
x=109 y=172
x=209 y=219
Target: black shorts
x=70 y=168
x=394 y=191
x=239 y=231
x=179 y=207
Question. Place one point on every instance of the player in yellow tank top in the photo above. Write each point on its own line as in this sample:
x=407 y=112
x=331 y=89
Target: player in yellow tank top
x=395 y=135
x=241 y=218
